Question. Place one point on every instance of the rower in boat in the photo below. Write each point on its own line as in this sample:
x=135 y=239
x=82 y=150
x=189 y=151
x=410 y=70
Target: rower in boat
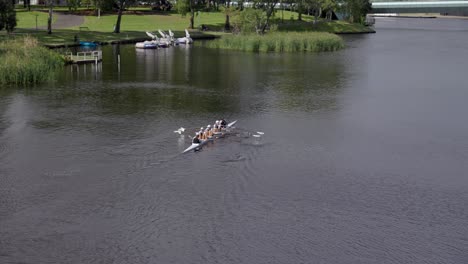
x=208 y=132
x=223 y=123
x=196 y=139
x=200 y=139
x=216 y=126
x=202 y=134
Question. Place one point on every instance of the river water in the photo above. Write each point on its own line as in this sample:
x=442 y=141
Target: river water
x=364 y=157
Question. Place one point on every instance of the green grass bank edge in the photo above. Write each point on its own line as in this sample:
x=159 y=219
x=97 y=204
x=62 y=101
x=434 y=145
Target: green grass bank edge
x=23 y=61
x=280 y=42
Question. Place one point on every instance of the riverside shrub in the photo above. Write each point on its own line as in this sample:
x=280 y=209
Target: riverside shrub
x=280 y=42
x=24 y=61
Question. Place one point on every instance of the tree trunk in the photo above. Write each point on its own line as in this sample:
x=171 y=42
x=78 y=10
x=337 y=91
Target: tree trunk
x=299 y=12
x=192 y=15
x=268 y=15
x=49 y=21
x=119 y=18
x=192 y=18
x=227 y=26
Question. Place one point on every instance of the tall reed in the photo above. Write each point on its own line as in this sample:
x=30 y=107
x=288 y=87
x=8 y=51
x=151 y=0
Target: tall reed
x=280 y=42
x=23 y=61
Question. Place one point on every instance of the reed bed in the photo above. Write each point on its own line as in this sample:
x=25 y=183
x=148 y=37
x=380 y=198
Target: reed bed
x=23 y=61
x=280 y=42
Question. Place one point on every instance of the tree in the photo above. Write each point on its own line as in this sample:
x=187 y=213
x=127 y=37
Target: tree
x=316 y=7
x=356 y=10
x=86 y=3
x=249 y=20
x=268 y=6
x=27 y=3
x=50 y=3
x=73 y=5
x=187 y=6
x=104 y=5
x=227 y=25
x=300 y=9
x=229 y=11
x=328 y=7
x=7 y=16
x=121 y=5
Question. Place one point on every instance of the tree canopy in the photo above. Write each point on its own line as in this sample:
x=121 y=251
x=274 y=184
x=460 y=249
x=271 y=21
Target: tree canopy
x=7 y=15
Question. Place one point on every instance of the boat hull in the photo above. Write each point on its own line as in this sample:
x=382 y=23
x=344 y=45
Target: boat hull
x=215 y=135
x=88 y=44
x=195 y=146
x=146 y=45
x=184 y=40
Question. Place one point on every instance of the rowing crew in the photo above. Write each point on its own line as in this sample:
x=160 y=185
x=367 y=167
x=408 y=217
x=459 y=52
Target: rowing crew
x=209 y=131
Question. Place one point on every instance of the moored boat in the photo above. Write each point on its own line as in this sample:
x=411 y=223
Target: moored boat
x=88 y=43
x=147 y=45
x=185 y=40
x=163 y=43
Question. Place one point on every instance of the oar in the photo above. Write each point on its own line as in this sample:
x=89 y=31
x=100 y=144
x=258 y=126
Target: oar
x=180 y=131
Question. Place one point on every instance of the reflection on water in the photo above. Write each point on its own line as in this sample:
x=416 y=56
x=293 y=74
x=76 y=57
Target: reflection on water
x=362 y=156
x=177 y=79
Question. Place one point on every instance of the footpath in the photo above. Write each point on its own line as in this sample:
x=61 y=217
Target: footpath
x=65 y=21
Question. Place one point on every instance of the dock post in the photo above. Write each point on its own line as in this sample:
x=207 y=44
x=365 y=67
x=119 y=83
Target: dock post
x=118 y=61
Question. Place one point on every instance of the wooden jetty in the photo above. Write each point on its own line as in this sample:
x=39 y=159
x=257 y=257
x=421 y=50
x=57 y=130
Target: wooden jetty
x=84 y=57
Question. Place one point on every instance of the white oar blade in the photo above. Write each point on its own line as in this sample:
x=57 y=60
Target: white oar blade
x=232 y=123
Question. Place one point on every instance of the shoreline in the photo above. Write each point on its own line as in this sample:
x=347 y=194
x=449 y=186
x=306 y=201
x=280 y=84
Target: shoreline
x=122 y=41
x=372 y=31
x=417 y=15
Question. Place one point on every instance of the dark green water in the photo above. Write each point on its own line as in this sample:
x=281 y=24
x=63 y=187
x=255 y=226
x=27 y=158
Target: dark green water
x=364 y=157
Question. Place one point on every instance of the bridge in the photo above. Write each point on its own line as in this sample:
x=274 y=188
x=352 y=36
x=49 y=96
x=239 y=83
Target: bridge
x=447 y=7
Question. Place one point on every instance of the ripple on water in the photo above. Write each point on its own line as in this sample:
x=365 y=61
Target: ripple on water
x=6 y=148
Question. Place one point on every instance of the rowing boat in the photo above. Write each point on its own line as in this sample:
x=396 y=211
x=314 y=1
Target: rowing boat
x=198 y=146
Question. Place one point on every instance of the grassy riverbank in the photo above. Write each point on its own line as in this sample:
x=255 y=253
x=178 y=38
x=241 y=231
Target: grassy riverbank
x=134 y=26
x=280 y=42
x=28 y=19
x=65 y=37
x=336 y=27
x=23 y=61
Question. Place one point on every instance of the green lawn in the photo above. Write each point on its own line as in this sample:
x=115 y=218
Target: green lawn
x=290 y=16
x=151 y=22
x=61 y=37
x=174 y=21
x=342 y=27
x=133 y=26
x=28 y=19
x=324 y=26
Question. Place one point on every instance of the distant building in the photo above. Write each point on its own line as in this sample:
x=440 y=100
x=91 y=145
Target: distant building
x=43 y=2
x=443 y=7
